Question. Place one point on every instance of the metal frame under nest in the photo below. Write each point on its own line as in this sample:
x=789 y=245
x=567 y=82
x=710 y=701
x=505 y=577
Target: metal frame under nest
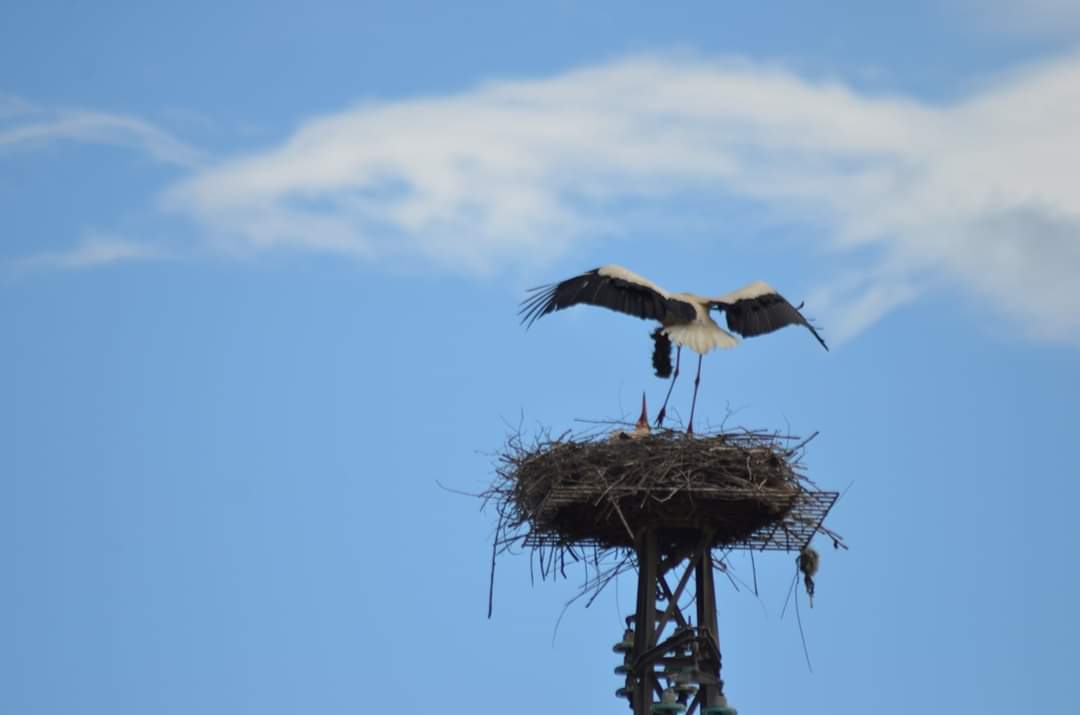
x=791 y=532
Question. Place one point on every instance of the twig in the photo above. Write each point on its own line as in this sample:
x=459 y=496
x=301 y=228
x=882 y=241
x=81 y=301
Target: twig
x=491 y=578
x=794 y=580
x=802 y=636
x=442 y=486
x=629 y=531
x=753 y=568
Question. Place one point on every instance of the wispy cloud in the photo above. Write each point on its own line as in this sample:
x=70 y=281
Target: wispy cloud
x=856 y=301
x=983 y=191
x=94 y=250
x=28 y=126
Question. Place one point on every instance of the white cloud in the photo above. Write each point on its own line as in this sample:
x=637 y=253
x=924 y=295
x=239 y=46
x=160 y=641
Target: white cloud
x=35 y=127
x=856 y=301
x=983 y=191
x=95 y=250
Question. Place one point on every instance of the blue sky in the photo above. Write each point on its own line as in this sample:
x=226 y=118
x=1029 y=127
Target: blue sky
x=259 y=271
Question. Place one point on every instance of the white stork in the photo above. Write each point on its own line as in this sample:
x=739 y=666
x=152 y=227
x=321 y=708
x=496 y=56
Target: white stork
x=684 y=318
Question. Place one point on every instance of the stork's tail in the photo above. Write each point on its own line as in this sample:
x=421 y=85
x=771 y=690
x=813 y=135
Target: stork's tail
x=661 y=357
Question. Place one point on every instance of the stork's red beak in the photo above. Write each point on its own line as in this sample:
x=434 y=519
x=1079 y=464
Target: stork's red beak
x=643 y=421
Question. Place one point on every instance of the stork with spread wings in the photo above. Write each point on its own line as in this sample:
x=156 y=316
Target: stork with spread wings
x=684 y=318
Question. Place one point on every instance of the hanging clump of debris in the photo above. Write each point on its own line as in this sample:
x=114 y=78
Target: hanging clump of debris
x=808 y=562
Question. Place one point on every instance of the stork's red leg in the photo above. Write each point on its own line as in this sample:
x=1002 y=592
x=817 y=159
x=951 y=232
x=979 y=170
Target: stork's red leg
x=663 y=409
x=693 y=403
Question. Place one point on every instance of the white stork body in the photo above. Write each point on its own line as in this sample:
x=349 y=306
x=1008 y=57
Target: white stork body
x=701 y=333
x=684 y=317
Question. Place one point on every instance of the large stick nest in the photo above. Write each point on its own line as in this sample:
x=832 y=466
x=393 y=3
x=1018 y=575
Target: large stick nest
x=744 y=488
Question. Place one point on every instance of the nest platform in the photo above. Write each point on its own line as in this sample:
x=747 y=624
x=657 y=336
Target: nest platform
x=744 y=489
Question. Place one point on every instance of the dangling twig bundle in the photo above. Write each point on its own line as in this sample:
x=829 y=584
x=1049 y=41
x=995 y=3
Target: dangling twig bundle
x=808 y=561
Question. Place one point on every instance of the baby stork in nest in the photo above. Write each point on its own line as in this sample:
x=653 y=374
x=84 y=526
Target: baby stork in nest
x=684 y=318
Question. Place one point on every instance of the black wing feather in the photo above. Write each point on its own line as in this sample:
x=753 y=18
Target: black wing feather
x=764 y=314
x=607 y=292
